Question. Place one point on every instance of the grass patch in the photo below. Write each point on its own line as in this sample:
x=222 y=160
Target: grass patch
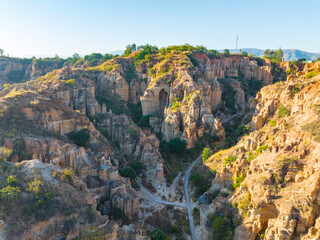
x=283 y=112
x=312 y=74
x=230 y=159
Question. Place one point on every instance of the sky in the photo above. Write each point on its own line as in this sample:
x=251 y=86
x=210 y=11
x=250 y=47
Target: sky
x=48 y=27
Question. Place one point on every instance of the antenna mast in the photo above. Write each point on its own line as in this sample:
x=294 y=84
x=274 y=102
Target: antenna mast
x=237 y=44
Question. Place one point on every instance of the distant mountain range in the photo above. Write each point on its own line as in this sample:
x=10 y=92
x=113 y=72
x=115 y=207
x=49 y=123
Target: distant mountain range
x=117 y=52
x=288 y=54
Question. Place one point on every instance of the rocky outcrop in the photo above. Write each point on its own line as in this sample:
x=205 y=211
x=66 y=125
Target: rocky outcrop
x=189 y=103
x=16 y=70
x=136 y=142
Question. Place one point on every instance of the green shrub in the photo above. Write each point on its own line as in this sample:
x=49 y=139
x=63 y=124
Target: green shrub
x=273 y=123
x=193 y=59
x=238 y=180
x=244 y=203
x=213 y=54
x=117 y=213
x=223 y=223
x=230 y=159
x=157 y=234
x=35 y=186
x=312 y=74
x=228 y=96
x=242 y=130
x=71 y=82
x=174 y=146
x=175 y=106
x=201 y=183
x=41 y=198
x=144 y=51
x=224 y=194
x=127 y=172
x=11 y=181
x=251 y=86
x=135 y=165
x=40 y=203
x=104 y=132
x=133 y=132
x=213 y=195
x=226 y=52
x=135 y=112
x=10 y=194
x=262 y=148
x=244 y=54
x=219 y=225
x=80 y=138
x=206 y=153
x=68 y=175
x=5 y=153
x=250 y=156
x=283 y=112
x=289 y=71
x=274 y=55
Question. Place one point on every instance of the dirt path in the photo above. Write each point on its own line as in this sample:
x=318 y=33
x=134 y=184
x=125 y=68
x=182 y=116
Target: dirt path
x=159 y=200
x=186 y=192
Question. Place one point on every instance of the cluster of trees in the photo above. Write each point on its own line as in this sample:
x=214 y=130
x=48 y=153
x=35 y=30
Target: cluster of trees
x=1 y=52
x=145 y=50
x=95 y=58
x=273 y=55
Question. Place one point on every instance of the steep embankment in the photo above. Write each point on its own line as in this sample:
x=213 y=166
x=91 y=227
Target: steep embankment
x=275 y=169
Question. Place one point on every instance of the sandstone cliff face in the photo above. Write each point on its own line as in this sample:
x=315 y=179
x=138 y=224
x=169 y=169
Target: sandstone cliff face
x=277 y=164
x=15 y=70
x=56 y=109
x=188 y=98
x=71 y=211
x=136 y=142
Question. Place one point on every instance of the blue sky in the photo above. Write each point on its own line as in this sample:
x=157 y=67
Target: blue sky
x=63 y=27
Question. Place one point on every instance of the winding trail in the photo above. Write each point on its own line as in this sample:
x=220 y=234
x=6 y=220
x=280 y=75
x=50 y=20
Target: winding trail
x=187 y=197
x=159 y=200
x=186 y=192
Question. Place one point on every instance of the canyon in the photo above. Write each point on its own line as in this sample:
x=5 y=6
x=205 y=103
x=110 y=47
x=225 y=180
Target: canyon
x=83 y=142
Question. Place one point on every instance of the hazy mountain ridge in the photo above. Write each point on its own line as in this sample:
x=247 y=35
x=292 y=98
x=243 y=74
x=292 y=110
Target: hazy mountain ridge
x=288 y=54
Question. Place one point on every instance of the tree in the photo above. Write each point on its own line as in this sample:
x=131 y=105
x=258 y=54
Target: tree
x=174 y=146
x=244 y=54
x=10 y=194
x=226 y=52
x=76 y=56
x=130 y=49
x=213 y=54
x=273 y=55
x=127 y=172
x=1 y=52
x=80 y=138
x=206 y=153
x=279 y=55
x=157 y=234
